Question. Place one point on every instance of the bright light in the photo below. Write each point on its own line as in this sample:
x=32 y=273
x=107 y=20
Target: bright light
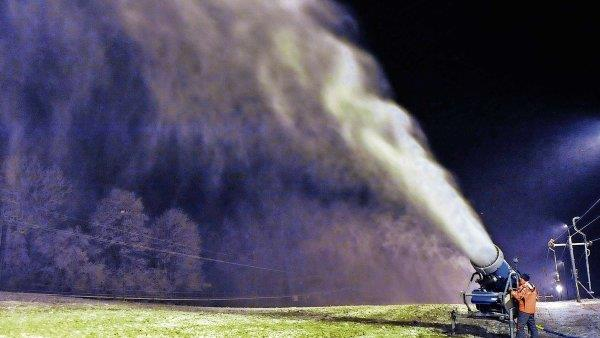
x=559 y=288
x=565 y=226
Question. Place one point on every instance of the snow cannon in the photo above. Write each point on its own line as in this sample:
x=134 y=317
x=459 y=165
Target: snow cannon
x=495 y=282
x=491 y=298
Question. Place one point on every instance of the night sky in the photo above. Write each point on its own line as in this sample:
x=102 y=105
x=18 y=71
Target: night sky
x=508 y=96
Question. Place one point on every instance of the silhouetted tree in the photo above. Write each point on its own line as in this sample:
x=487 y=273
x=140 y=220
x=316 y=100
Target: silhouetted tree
x=177 y=233
x=42 y=249
x=119 y=223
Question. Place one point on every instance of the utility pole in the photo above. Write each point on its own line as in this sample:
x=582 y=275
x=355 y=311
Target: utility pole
x=586 y=252
x=570 y=244
x=573 y=267
x=587 y=266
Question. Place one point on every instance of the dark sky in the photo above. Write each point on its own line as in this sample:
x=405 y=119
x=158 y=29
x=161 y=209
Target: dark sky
x=508 y=95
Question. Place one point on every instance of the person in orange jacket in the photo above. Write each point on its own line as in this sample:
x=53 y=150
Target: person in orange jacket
x=526 y=296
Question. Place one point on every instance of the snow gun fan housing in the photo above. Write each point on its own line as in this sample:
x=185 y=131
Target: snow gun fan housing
x=495 y=282
x=492 y=299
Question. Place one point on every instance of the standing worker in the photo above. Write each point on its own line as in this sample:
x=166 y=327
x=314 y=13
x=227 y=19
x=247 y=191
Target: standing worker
x=526 y=295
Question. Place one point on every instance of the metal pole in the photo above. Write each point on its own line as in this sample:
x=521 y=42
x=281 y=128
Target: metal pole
x=587 y=264
x=555 y=264
x=586 y=252
x=573 y=268
x=511 y=323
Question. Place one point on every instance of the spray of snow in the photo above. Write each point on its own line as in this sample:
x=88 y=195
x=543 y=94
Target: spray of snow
x=385 y=139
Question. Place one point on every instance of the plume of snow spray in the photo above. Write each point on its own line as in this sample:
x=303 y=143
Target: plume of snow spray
x=259 y=118
x=383 y=137
x=386 y=136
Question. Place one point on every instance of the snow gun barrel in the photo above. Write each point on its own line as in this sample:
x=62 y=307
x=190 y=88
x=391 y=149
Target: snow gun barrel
x=498 y=269
x=495 y=280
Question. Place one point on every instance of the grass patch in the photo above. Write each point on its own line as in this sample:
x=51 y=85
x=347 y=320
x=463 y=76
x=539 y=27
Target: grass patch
x=121 y=319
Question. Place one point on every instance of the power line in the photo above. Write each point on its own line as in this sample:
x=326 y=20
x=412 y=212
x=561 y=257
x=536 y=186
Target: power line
x=592 y=221
x=149 y=248
x=42 y=287
x=562 y=234
x=167 y=241
x=580 y=217
x=102 y=225
x=590 y=208
x=206 y=299
x=144 y=247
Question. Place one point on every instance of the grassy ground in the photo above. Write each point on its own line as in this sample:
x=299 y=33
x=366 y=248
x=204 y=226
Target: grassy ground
x=108 y=319
x=53 y=316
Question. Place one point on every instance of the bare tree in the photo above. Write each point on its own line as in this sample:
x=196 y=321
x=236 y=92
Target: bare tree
x=178 y=234
x=37 y=202
x=120 y=220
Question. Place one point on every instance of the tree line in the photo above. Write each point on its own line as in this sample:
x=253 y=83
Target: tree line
x=48 y=244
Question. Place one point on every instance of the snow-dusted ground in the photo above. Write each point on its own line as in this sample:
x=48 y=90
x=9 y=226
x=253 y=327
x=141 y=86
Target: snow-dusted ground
x=559 y=319
x=570 y=318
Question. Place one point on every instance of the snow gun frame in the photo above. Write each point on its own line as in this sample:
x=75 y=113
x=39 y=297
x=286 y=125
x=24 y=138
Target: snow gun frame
x=492 y=299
